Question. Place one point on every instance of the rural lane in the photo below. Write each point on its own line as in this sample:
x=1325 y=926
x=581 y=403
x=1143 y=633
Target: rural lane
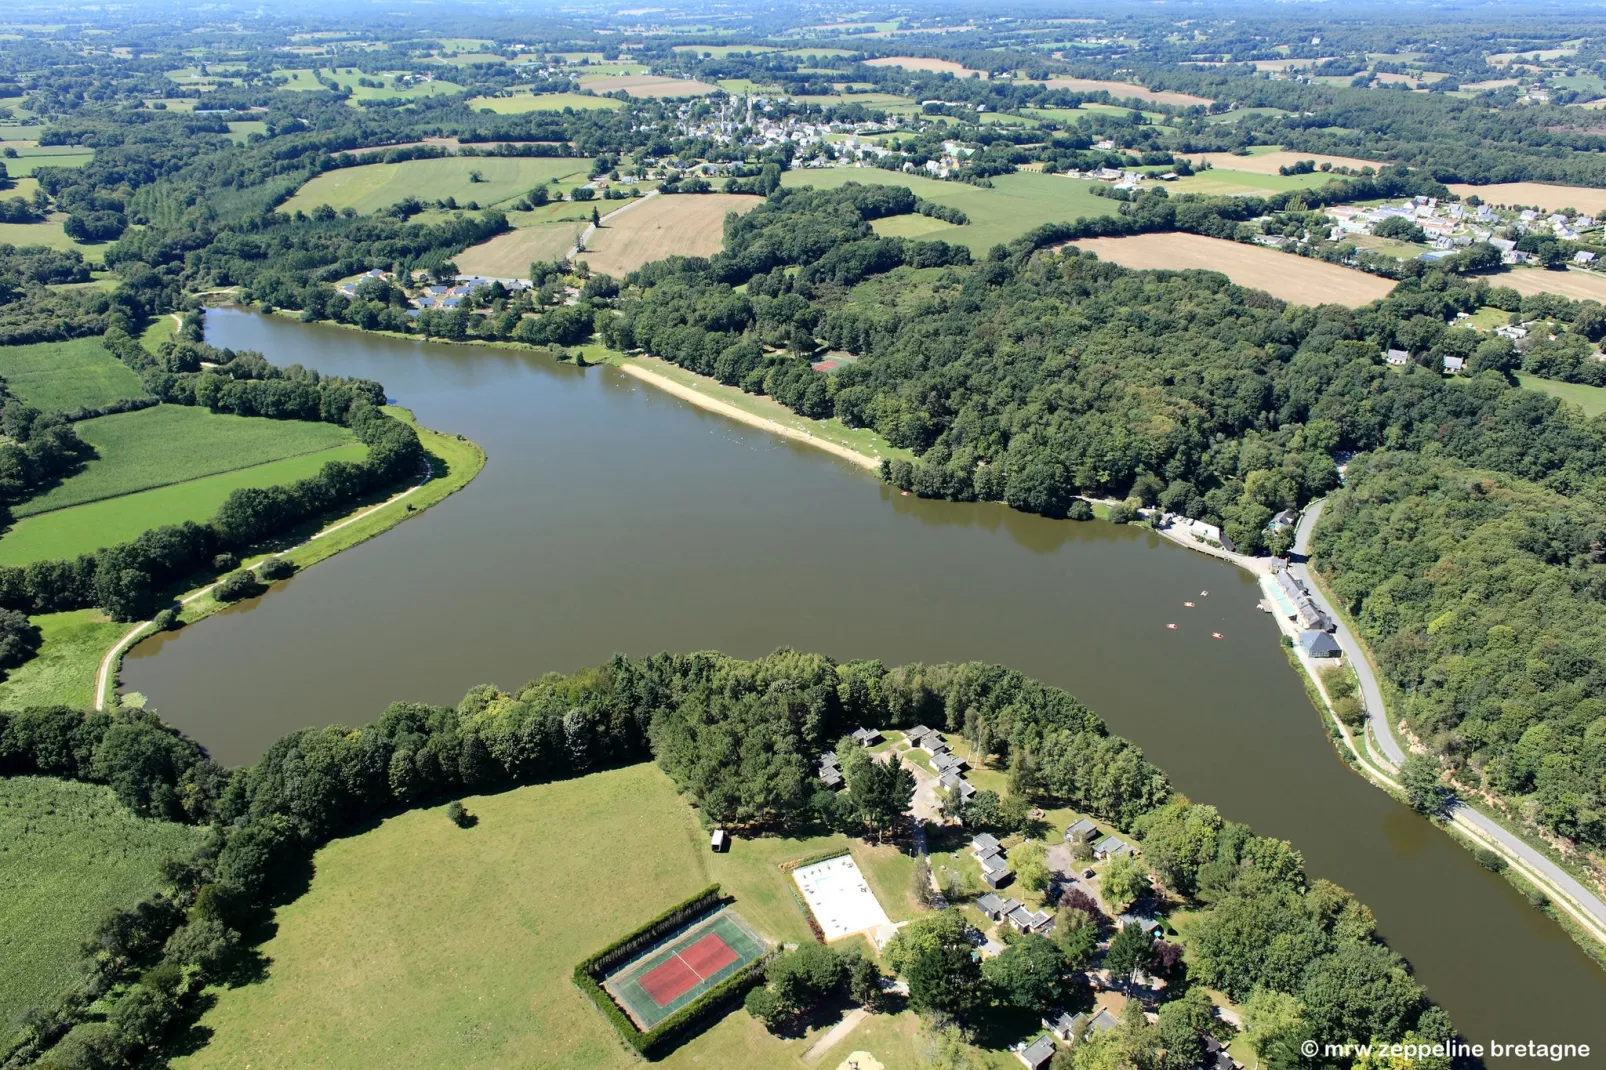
x=1457 y=811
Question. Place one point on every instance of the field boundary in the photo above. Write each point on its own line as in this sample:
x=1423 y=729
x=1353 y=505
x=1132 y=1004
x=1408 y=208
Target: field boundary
x=589 y=971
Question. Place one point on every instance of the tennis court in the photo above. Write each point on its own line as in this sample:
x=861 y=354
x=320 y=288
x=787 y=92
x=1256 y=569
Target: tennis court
x=678 y=969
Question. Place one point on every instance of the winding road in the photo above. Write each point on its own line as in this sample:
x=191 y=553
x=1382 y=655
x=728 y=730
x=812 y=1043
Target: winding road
x=1479 y=825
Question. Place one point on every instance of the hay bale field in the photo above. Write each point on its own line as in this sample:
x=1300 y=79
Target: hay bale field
x=921 y=63
x=1292 y=278
x=1578 y=285
x=372 y=186
x=686 y=224
x=509 y=256
x=647 y=85
x=1267 y=161
x=1547 y=197
x=1125 y=90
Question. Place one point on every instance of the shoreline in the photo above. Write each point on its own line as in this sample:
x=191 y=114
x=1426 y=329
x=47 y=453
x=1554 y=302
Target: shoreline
x=703 y=401
x=306 y=553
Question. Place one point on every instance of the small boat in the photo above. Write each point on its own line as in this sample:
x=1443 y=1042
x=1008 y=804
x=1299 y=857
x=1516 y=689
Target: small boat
x=1217 y=635
x=1171 y=627
x=1204 y=594
x=1188 y=604
x=905 y=493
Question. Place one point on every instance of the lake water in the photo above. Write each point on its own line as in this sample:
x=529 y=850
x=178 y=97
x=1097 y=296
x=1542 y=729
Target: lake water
x=612 y=517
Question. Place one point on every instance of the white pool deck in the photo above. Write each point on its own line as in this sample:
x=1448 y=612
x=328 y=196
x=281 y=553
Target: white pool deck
x=840 y=897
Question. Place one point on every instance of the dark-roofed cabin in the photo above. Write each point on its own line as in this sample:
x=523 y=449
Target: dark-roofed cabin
x=1110 y=846
x=984 y=841
x=1319 y=644
x=1082 y=831
x=1038 y=1054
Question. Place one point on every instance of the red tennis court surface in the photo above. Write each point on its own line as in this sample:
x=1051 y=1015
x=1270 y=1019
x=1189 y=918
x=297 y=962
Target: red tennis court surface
x=680 y=974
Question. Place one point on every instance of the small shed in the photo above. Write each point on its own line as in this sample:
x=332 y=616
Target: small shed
x=720 y=841
x=1082 y=831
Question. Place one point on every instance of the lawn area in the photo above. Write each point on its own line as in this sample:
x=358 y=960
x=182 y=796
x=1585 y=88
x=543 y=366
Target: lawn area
x=241 y=130
x=370 y=187
x=69 y=656
x=31 y=156
x=69 y=853
x=1592 y=399
x=1014 y=205
x=49 y=234
x=358 y=961
x=82 y=529
x=170 y=444
x=524 y=102
x=1223 y=182
x=67 y=375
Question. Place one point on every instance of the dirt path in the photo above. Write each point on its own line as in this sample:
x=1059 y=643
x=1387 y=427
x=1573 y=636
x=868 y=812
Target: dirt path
x=848 y=1024
x=703 y=401
x=109 y=663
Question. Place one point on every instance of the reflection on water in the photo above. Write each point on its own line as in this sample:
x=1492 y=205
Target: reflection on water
x=611 y=517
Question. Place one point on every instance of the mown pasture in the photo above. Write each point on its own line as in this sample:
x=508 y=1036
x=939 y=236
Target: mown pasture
x=678 y=224
x=371 y=186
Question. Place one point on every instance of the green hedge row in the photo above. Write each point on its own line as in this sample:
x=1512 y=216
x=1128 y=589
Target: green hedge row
x=589 y=970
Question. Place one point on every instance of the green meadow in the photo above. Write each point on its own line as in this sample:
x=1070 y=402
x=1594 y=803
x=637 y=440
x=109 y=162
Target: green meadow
x=72 y=644
x=82 y=529
x=550 y=873
x=525 y=102
x=67 y=375
x=171 y=444
x=69 y=853
x=370 y=187
x=49 y=234
x=1592 y=399
x=1014 y=205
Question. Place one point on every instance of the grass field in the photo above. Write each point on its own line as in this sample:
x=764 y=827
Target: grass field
x=687 y=224
x=523 y=102
x=1578 y=285
x=49 y=234
x=919 y=63
x=171 y=444
x=1542 y=195
x=69 y=853
x=372 y=186
x=85 y=528
x=1126 y=90
x=1222 y=182
x=1266 y=159
x=367 y=969
x=1292 y=278
x=67 y=375
x=1014 y=205
x=646 y=85
x=69 y=655
x=1592 y=399
x=30 y=157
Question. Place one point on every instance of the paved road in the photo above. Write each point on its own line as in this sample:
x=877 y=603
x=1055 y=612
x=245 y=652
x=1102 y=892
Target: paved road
x=1457 y=811
x=1371 y=694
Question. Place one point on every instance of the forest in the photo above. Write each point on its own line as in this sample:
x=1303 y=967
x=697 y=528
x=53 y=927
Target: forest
x=1270 y=933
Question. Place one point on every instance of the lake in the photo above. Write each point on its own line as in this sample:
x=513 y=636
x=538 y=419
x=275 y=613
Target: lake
x=611 y=517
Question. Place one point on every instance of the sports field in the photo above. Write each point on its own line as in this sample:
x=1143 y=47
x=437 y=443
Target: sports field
x=371 y=186
x=1292 y=278
x=646 y=85
x=72 y=853
x=523 y=102
x=1578 y=285
x=1126 y=90
x=368 y=971
x=1542 y=195
x=170 y=444
x=689 y=224
x=67 y=375
x=1014 y=205
x=82 y=529
x=676 y=971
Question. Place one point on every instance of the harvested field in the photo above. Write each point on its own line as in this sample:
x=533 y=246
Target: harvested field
x=523 y=102
x=1126 y=90
x=1284 y=275
x=683 y=224
x=919 y=63
x=1266 y=162
x=1541 y=194
x=1577 y=285
x=508 y=256
x=647 y=85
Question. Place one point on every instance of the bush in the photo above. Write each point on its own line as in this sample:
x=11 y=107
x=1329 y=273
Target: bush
x=225 y=562
x=458 y=814
x=1123 y=514
x=237 y=585
x=277 y=568
x=167 y=620
x=1489 y=860
x=1079 y=510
